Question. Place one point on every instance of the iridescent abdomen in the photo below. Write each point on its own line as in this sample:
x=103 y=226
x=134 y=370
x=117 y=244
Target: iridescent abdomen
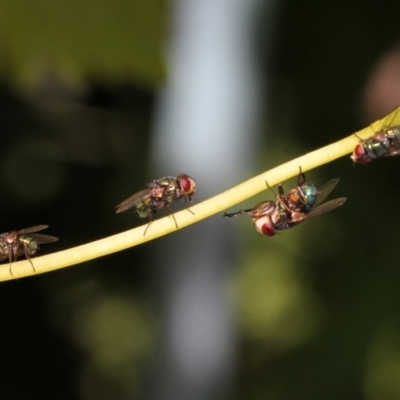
x=385 y=143
x=310 y=195
x=302 y=198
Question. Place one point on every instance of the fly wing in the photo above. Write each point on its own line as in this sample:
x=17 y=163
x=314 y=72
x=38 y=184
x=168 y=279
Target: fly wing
x=133 y=200
x=325 y=190
x=44 y=238
x=323 y=208
x=392 y=153
x=32 y=229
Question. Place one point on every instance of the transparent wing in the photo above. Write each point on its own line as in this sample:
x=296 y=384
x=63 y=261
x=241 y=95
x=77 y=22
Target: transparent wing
x=323 y=208
x=44 y=238
x=32 y=229
x=392 y=153
x=325 y=190
x=133 y=200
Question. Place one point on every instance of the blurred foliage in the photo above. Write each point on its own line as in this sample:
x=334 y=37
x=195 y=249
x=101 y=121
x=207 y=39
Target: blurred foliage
x=106 y=40
x=383 y=365
x=104 y=324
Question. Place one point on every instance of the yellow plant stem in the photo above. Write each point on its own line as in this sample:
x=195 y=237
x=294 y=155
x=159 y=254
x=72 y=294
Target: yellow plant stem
x=214 y=205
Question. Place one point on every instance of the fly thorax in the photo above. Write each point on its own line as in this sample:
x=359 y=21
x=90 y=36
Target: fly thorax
x=279 y=217
x=10 y=238
x=171 y=193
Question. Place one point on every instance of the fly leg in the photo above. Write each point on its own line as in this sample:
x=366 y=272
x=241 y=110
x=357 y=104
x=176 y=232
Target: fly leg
x=191 y=202
x=171 y=214
x=230 y=215
x=280 y=196
x=10 y=259
x=152 y=216
x=301 y=175
x=26 y=251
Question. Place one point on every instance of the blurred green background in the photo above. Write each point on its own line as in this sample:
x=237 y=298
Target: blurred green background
x=317 y=307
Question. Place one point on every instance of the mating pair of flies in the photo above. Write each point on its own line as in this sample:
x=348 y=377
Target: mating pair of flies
x=302 y=202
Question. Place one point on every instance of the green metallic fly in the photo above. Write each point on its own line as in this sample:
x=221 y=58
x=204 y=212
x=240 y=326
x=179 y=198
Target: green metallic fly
x=160 y=194
x=23 y=242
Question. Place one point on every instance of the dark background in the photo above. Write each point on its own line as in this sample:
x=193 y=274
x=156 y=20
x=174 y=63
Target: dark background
x=76 y=113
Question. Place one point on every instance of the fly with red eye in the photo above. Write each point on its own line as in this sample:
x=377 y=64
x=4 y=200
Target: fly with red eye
x=160 y=194
x=267 y=217
x=176 y=188
x=302 y=202
x=384 y=143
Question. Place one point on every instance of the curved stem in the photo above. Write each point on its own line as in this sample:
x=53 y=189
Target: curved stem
x=166 y=225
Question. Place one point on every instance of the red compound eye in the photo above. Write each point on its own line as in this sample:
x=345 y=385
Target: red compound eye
x=264 y=226
x=359 y=151
x=268 y=230
x=360 y=156
x=187 y=184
